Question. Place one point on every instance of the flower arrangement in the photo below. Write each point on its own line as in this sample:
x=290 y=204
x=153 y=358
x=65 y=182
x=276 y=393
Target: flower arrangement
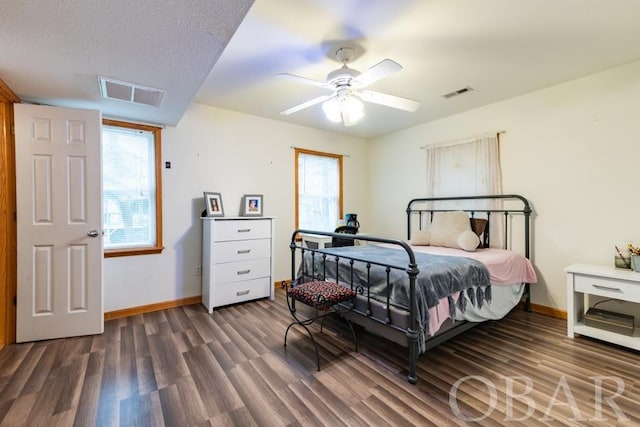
x=633 y=250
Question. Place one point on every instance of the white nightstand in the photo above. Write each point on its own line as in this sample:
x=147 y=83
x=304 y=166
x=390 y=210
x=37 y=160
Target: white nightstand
x=584 y=280
x=315 y=241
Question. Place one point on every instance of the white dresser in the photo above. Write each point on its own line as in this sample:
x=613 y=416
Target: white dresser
x=607 y=282
x=237 y=260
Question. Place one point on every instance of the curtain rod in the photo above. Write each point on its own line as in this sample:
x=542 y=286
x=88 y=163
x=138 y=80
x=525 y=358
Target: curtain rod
x=462 y=140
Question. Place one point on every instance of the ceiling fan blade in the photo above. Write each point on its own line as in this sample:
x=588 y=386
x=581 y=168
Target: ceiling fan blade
x=382 y=69
x=306 y=104
x=304 y=80
x=392 y=101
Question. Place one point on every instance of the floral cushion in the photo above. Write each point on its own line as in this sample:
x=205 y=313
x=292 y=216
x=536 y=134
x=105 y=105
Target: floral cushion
x=321 y=293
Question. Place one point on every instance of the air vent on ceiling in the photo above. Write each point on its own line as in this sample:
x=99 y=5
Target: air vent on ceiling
x=457 y=92
x=130 y=92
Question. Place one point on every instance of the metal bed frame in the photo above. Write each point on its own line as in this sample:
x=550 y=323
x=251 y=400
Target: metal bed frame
x=384 y=319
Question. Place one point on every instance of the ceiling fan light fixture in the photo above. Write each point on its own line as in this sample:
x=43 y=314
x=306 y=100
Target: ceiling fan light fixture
x=352 y=110
x=331 y=109
x=336 y=109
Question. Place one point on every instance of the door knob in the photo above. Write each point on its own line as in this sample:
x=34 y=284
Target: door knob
x=93 y=233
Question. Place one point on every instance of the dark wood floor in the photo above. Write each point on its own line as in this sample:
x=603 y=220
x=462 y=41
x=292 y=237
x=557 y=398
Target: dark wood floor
x=184 y=367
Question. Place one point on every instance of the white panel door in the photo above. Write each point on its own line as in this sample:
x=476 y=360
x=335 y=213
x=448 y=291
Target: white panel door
x=59 y=200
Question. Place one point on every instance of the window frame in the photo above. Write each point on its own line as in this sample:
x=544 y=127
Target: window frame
x=338 y=157
x=157 y=136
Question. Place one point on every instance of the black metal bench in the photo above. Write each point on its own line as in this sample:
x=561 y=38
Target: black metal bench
x=325 y=298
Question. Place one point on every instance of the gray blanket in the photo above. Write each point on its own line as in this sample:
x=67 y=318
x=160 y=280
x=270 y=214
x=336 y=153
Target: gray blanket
x=440 y=277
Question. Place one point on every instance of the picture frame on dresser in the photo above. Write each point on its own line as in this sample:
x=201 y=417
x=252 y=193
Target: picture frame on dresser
x=252 y=205
x=213 y=204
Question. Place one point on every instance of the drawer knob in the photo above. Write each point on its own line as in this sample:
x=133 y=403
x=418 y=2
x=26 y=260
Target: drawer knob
x=244 y=251
x=241 y=293
x=243 y=272
x=244 y=230
x=606 y=288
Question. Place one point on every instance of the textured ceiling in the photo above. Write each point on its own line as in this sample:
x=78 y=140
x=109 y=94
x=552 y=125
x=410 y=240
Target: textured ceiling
x=208 y=51
x=52 y=52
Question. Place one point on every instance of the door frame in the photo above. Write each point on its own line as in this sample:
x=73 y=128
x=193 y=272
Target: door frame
x=8 y=224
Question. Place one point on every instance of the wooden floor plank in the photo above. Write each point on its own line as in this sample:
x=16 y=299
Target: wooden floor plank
x=210 y=378
x=204 y=326
x=316 y=406
x=19 y=410
x=142 y=411
x=86 y=413
x=167 y=361
x=127 y=365
x=15 y=382
x=267 y=409
x=108 y=405
x=11 y=357
x=298 y=409
x=42 y=369
x=146 y=378
x=69 y=392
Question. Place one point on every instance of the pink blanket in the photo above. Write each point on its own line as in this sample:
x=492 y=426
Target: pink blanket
x=505 y=267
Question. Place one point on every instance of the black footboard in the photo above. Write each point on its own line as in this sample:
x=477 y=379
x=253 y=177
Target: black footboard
x=365 y=305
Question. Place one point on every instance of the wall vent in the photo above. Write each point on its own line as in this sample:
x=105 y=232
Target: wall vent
x=130 y=92
x=457 y=92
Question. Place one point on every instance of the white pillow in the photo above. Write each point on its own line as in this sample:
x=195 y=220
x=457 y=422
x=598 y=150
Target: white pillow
x=446 y=227
x=420 y=238
x=468 y=241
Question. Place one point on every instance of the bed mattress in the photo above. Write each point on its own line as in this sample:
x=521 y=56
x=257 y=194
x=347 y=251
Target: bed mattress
x=507 y=269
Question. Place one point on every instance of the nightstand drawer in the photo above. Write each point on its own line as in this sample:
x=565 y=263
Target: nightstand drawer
x=607 y=287
x=242 y=230
x=240 y=250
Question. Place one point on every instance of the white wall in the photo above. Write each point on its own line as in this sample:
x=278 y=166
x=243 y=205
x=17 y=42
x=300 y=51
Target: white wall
x=573 y=150
x=218 y=150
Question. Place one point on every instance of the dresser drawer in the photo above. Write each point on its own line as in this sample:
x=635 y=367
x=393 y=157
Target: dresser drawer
x=607 y=287
x=242 y=230
x=242 y=270
x=242 y=291
x=241 y=250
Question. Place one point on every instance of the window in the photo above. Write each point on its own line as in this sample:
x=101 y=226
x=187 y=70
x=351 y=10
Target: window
x=468 y=167
x=318 y=190
x=132 y=189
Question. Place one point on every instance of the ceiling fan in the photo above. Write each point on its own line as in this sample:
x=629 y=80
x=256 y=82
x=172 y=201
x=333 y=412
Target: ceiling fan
x=346 y=83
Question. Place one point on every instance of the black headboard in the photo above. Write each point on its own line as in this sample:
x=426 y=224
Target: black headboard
x=422 y=209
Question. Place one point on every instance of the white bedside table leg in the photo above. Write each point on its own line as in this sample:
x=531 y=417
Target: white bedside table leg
x=571 y=312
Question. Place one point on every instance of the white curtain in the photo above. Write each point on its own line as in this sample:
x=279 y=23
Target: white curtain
x=468 y=167
x=464 y=168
